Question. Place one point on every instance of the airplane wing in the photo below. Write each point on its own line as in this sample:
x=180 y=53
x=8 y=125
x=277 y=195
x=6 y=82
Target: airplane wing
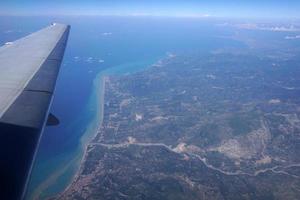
x=28 y=71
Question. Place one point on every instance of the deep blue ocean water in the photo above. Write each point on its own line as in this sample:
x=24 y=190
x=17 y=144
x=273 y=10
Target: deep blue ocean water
x=96 y=45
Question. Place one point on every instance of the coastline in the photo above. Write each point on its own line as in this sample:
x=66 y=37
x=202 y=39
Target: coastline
x=91 y=131
x=99 y=84
x=73 y=167
x=84 y=140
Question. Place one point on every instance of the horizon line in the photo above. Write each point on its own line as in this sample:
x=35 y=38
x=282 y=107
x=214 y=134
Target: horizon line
x=196 y=16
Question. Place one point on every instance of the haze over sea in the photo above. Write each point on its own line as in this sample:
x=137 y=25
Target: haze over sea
x=97 y=46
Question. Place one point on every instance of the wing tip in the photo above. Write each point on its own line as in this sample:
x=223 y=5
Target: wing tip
x=66 y=26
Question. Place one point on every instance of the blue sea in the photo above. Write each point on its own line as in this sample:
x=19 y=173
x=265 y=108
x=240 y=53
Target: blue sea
x=100 y=46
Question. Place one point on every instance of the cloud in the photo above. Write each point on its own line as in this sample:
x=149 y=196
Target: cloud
x=265 y=27
x=292 y=37
x=90 y=60
x=106 y=33
x=8 y=31
x=281 y=29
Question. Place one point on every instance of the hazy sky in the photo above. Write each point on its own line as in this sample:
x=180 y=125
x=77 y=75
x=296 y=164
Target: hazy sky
x=217 y=8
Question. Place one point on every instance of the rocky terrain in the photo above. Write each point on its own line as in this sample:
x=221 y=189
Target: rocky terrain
x=218 y=125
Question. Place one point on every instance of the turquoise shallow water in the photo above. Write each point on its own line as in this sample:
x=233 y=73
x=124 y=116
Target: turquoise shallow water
x=62 y=167
x=97 y=46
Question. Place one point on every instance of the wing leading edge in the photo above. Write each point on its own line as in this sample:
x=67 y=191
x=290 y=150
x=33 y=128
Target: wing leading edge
x=28 y=71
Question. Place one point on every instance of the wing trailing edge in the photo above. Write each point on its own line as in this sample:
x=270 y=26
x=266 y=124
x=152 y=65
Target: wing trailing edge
x=28 y=71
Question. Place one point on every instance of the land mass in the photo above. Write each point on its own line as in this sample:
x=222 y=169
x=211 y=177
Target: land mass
x=220 y=125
